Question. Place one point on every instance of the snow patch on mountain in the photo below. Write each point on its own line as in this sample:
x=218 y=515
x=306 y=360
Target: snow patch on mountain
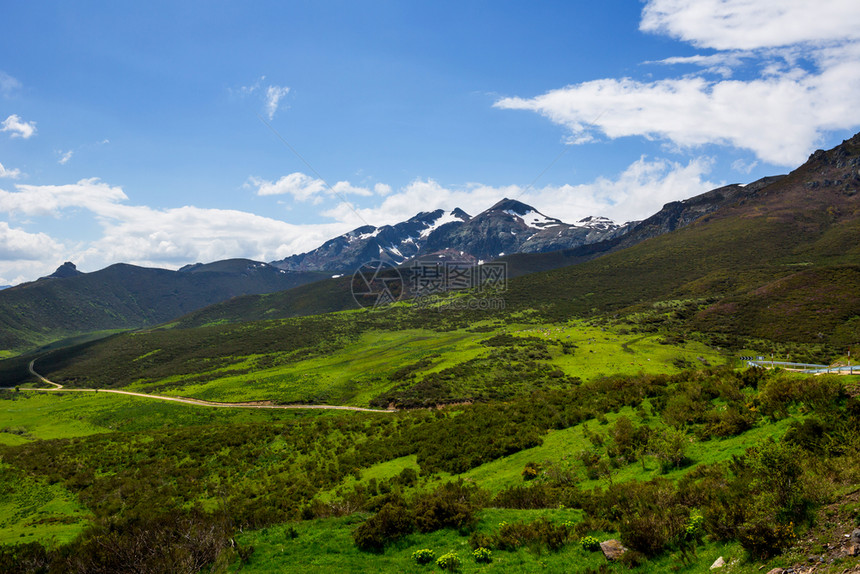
x=446 y=217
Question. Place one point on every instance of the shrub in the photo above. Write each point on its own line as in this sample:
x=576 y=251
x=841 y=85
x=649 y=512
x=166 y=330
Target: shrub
x=453 y=505
x=449 y=562
x=423 y=556
x=531 y=471
x=479 y=540
x=392 y=522
x=764 y=540
x=537 y=534
x=482 y=555
x=670 y=448
x=589 y=543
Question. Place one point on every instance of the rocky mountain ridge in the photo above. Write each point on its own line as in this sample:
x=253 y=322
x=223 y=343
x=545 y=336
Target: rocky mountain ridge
x=509 y=226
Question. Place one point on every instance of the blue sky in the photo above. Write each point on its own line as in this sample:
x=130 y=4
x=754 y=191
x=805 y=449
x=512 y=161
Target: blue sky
x=165 y=133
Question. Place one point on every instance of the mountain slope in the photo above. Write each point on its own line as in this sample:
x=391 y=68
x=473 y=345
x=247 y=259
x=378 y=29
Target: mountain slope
x=806 y=220
x=125 y=296
x=672 y=216
x=726 y=243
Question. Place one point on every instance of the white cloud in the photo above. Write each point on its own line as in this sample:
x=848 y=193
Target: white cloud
x=17 y=245
x=753 y=24
x=10 y=173
x=637 y=192
x=51 y=200
x=274 y=95
x=65 y=156
x=301 y=186
x=382 y=189
x=306 y=188
x=173 y=237
x=18 y=128
x=8 y=84
x=177 y=236
x=154 y=237
x=805 y=60
x=345 y=188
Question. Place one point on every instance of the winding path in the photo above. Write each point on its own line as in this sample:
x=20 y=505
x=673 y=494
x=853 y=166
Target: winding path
x=200 y=403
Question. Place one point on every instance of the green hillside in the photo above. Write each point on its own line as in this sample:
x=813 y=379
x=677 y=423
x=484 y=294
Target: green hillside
x=605 y=400
x=126 y=297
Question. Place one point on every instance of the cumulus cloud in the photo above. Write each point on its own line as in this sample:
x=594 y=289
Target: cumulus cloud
x=17 y=244
x=299 y=185
x=177 y=236
x=806 y=81
x=637 y=192
x=155 y=237
x=173 y=237
x=752 y=24
x=10 y=173
x=18 y=128
x=306 y=188
x=50 y=200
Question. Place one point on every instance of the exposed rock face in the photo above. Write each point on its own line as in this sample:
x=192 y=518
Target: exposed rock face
x=67 y=269
x=718 y=563
x=852 y=546
x=612 y=549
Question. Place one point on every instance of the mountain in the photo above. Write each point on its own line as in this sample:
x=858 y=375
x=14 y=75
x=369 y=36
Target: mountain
x=672 y=216
x=69 y=303
x=731 y=242
x=393 y=243
x=67 y=269
x=781 y=263
x=493 y=230
x=509 y=226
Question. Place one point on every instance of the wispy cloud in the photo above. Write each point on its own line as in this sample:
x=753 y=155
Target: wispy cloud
x=271 y=94
x=9 y=173
x=18 y=128
x=805 y=64
x=8 y=84
x=274 y=95
x=65 y=156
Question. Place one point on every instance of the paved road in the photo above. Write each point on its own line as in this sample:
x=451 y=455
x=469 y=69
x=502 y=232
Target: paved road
x=247 y=405
x=807 y=367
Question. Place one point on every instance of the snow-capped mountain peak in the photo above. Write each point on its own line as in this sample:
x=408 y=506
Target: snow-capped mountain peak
x=509 y=226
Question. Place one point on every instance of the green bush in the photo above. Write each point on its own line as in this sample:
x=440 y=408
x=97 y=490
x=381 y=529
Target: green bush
x=452 y=505
x=538 y=534
x=531 y=470
x=393 y=521
x=589 y=543
x=765 y=540
x=482 y=555
x=449 y=562
x=423 y=556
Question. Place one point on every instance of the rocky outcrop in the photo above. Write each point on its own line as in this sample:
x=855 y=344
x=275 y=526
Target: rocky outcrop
x=612 y=549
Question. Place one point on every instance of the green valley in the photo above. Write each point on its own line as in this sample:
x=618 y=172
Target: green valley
x=598 y=402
